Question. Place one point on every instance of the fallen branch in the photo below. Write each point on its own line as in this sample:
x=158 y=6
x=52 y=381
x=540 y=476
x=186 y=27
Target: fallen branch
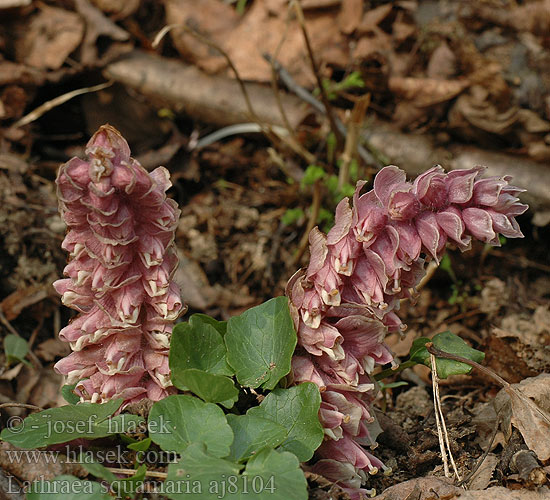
x=218 y=100
x=211 y=99
x=417 y=152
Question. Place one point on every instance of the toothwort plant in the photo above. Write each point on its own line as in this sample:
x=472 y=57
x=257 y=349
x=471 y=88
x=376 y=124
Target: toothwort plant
x=346 y=300
x=121 y=262
x=122 y=259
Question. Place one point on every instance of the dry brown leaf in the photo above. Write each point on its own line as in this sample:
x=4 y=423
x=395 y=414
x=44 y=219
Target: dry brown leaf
x=426 y=91
x=319 y=4
x=442 y=64
x=50 y=37
x=260 y=32
x=422 y=488
x=37 y=467
x=531 y=418
x=51 y=349
x=14 y=303
x=500 y=493
x=350 y=15
x=372 y=18
x=97 y=24
x=118 y=9
x=9 y=4
x=482 y=477
x=195 y=289
x=377 y=42
x=212 y=18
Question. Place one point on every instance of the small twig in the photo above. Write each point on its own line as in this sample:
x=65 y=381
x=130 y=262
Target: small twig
x=485 y=453
x=274 y=84
x=162 y=33
x=328 y=109
x=435 y=388
x=34 y=359
x=313 y=215
x=57 y=101
x=34 y=333
x=7 y=324
x=21 y=405
x=238 y=129
x=303 y=94
x=352 y=139
x=131 y=472
x=446 y=355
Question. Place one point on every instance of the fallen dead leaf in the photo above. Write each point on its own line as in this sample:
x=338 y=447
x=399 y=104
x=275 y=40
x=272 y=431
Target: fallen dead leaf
x=500 y=493
x=212 y=19
x=118 y=9
x=51 y=349
x=196 y=291
x=426 y=91
x=442 y=64
x=14 y=303
x=530 y=417
x=482 y=477
x=350 y=15
x=50 y=37
x=422 y=488
x=37 y=467
x=97 y=24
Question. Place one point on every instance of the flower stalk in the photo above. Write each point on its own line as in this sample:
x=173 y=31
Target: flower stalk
x=122 y=257
x=346 y=300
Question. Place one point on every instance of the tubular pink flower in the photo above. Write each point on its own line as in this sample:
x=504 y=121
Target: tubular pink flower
x=121 y=262
x=344 y=303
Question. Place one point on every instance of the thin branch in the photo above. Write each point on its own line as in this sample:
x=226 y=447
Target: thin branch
x=162 y=33
x=34 y=358
x=485 y=453
x=131 y=472
x=57 y=101
x=435 y=389
x=21 y=405
x=301 y=21
x=446 y=355
x=303 y=94
x=313 y=216
x=352 y=139
x=274 y=84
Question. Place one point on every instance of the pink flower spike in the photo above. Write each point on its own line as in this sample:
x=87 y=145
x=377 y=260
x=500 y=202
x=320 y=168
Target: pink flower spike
x=122 y=258
x=373 y=257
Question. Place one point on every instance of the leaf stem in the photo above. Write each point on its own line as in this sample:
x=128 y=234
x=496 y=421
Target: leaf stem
x=446 y=355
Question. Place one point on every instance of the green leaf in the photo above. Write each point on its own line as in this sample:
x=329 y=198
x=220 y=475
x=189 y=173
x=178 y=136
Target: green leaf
x=277 y=475
x=60 y=425
x=312 y=174
x=177 y=421
x=68 y=488
x=67 y=391
x=296 y=409
x=120 y=424
x=124 y=487
x=198 y=344
x=221 y=326
x=142 y=445
x=260 y=343
x=269 y=475
x=98 y=470
x=392 y=385
x=450 y=343
x=253 y=433
x=291 y=216
x=200 y=475
x=207 y=386
x=15 y=348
